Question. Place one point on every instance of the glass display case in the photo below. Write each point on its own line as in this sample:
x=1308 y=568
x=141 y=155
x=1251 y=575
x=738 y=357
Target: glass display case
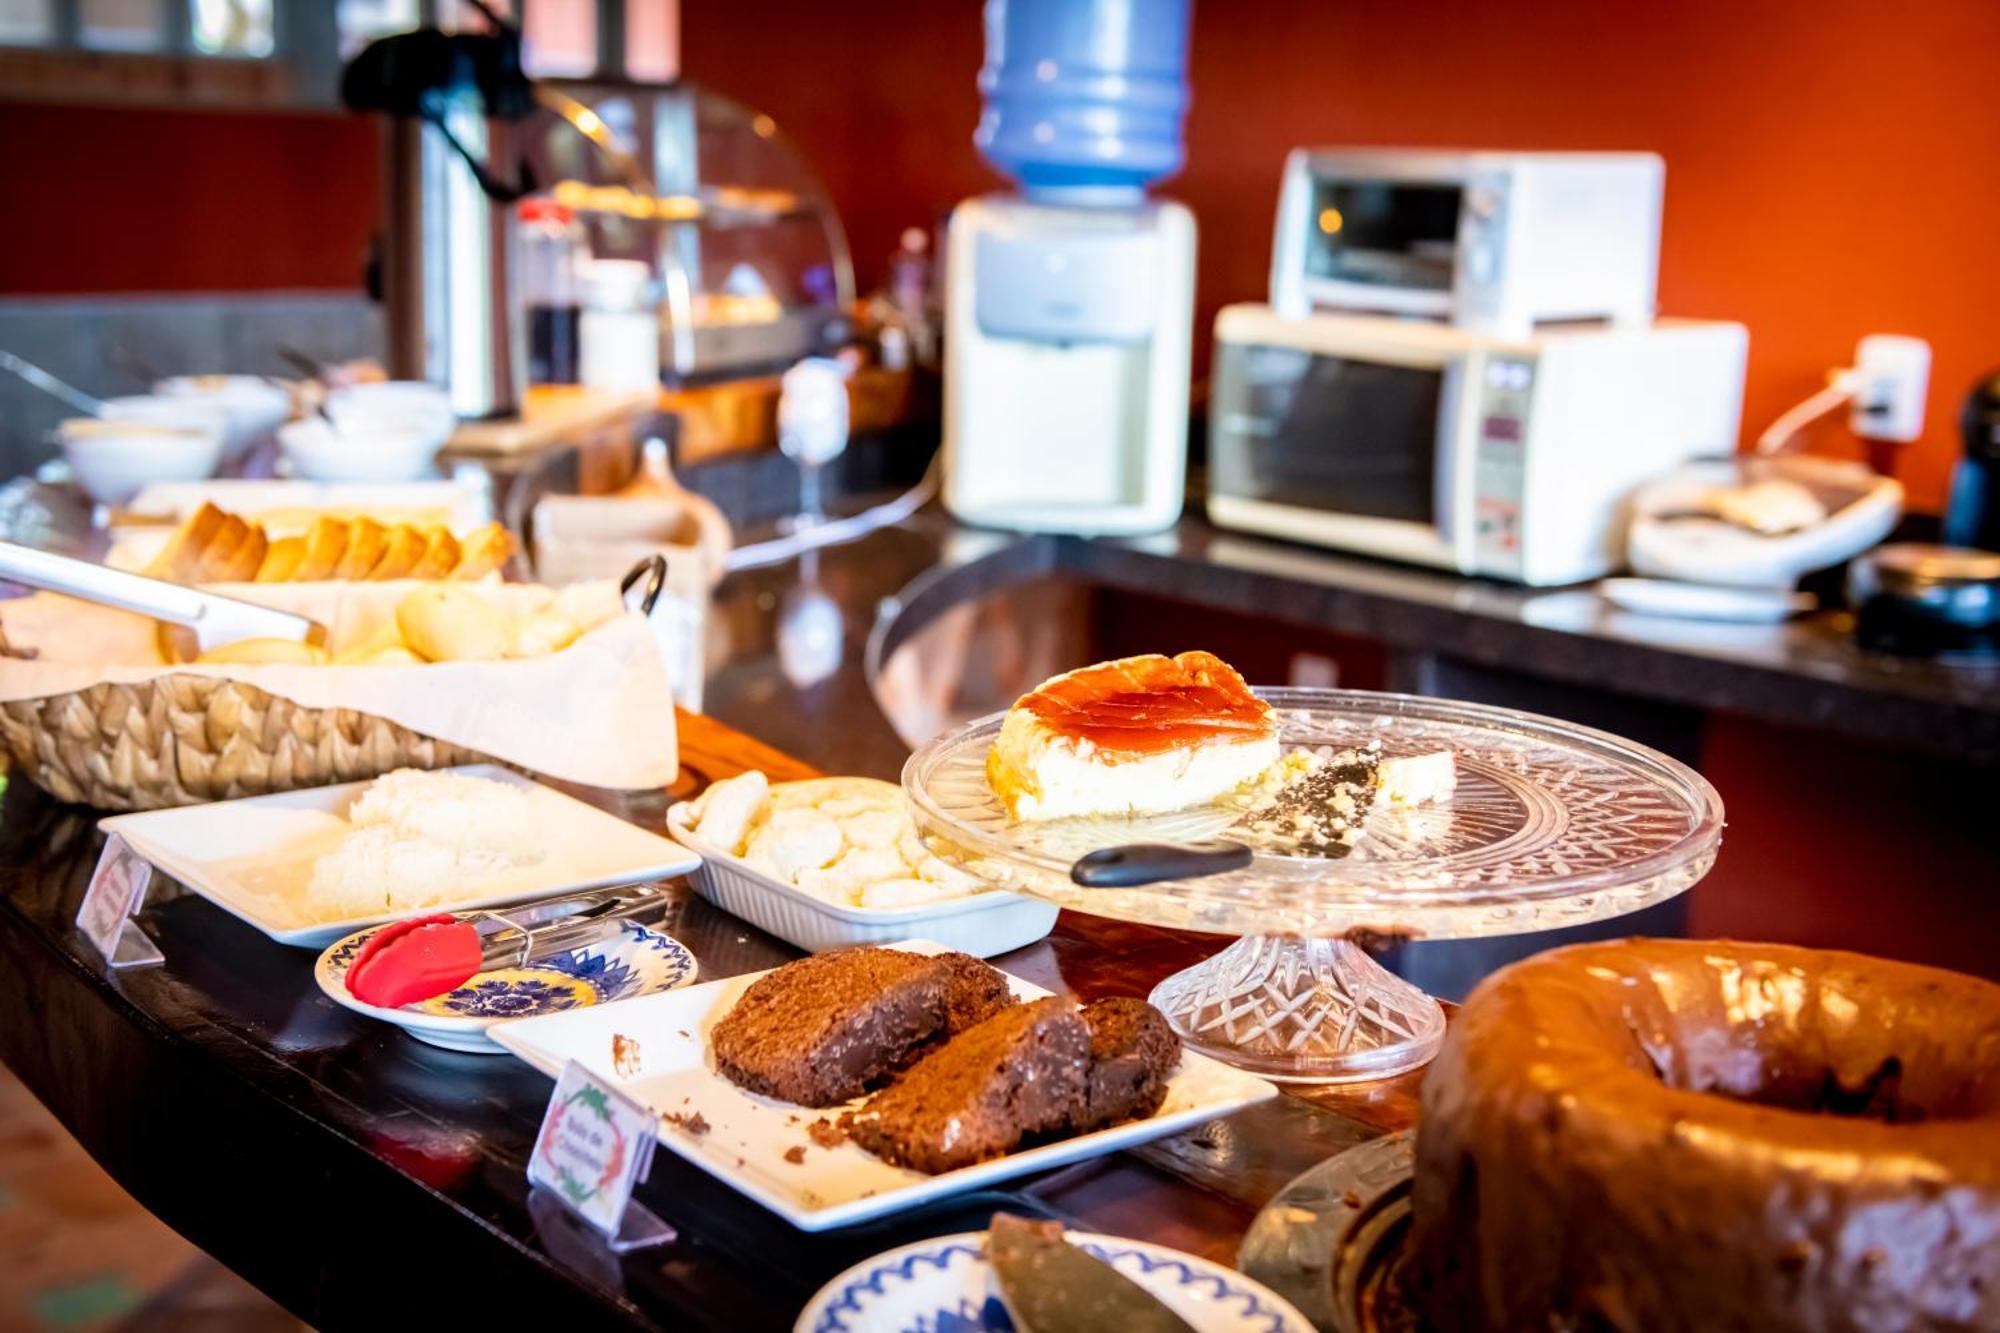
x=750 y=266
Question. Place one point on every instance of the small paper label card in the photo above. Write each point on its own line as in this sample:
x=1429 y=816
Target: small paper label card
x=117 y=889
x=594 y=1146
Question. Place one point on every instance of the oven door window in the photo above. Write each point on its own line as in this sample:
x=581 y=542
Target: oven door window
x=1382 y=234
x=1323 y=432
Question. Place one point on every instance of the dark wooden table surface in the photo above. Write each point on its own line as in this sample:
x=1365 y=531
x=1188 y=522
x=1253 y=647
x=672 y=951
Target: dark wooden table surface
x=364 y=1179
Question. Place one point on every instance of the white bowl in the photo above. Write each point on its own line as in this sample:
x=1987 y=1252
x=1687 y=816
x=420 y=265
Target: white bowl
x=252 y=406
x=396 y=405
x=317 y=452
x=981 y=924
x=114 y=459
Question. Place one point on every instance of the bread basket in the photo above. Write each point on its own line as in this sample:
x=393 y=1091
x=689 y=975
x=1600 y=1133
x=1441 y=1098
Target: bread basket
x=131 y=737
x=181 y=739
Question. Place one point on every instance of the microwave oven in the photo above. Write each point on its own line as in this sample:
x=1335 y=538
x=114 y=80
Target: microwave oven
x=1486 y=240
x=1508 y=457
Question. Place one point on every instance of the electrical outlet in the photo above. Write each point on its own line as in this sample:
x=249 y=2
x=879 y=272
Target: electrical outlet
x=1892 y=376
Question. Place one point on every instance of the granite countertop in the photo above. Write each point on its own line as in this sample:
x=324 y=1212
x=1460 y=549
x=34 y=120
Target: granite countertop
x=1806 y=672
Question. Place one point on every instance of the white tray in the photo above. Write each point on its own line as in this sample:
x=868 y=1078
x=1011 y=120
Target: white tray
x=242 y=855
x=981 y=924
x=748 y=1135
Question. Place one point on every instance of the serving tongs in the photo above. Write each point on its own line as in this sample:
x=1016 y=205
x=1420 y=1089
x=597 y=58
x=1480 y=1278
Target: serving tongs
x=427 y=956
x=192 y=621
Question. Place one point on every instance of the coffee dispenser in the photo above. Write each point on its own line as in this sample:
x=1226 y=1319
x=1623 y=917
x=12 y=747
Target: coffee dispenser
x=456 y=103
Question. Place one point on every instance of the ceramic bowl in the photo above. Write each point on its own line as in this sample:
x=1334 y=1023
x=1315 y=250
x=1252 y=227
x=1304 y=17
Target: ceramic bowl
x=397 y=406
x=637 y=961
x=252 y=406
x=315 y=451
x=114 y=458
x=946 y=1284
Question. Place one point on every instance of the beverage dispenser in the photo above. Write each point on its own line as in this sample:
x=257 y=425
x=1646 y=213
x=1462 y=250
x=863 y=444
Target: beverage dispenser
x=1069 y=306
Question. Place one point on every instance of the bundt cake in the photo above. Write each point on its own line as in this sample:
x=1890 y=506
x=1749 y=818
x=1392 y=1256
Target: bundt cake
x=1687 y=1135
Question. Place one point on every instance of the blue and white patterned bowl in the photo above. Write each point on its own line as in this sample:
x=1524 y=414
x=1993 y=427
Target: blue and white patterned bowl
x=945 y=1286
x=637 y=961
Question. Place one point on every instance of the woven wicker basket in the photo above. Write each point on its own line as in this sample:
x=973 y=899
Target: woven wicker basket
x=183 y=739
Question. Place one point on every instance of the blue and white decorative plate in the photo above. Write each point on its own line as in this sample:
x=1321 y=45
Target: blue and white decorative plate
x=945 y=1286
x=637 y=961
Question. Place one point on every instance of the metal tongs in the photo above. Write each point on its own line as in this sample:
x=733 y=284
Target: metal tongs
x=197 y=621
x=522 y=935
x=418 y=959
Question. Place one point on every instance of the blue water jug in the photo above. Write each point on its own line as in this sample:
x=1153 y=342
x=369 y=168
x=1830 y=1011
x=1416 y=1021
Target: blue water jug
x=1084 y=95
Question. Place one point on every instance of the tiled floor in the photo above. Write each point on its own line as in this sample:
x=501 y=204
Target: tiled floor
x=77 y=1252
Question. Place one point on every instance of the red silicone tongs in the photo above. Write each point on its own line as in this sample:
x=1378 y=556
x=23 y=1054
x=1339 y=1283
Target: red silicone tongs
x=427 y=956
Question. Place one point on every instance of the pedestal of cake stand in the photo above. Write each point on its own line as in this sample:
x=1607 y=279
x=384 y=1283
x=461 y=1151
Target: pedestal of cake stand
x=1550 y=825
x=1302 y=1010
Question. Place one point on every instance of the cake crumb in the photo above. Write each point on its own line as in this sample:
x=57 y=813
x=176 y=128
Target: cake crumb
x=796 y=1154
x=825 y=1133
x=693 y=1122
x=625 y=1057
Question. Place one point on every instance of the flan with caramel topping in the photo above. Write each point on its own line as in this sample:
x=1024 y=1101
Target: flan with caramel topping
x=1141 y=735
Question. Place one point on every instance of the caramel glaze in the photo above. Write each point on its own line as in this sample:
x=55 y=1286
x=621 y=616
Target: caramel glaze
x=1145 y=705
x=1693 y=1135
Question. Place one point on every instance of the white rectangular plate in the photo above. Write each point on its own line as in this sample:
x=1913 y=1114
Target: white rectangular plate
x=249 y=857
x=748 y=1135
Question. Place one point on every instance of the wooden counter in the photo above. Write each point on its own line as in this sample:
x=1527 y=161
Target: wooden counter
x=366 y=1180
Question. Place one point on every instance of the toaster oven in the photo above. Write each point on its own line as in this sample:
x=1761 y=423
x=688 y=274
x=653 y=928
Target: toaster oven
x=1497 y=241
x=1509 y=457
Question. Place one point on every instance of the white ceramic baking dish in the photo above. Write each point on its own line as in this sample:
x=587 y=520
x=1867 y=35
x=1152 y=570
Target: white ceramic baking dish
x=981 y=924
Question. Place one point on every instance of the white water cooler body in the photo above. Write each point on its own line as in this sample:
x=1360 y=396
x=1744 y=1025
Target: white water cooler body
x=1067 y=363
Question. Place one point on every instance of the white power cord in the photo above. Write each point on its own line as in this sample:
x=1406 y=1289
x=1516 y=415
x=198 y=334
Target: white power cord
x=1886 y=387
x=1779 y=436
x=836 y=531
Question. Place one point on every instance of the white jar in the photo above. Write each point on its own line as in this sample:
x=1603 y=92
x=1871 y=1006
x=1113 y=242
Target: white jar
x=619 y=340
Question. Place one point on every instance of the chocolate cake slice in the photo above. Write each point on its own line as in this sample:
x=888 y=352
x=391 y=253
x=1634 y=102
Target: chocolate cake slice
x=1132 y=1055
x=1020 y=1072
x=974 y=991
x=821 y=1030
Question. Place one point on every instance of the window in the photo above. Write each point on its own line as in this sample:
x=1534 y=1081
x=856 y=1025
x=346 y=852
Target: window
x=362 y=21
x=290 y=52
x=559 y=38
x=27 y=22
x=652 y=40
x=234 y=28
x=122 y=25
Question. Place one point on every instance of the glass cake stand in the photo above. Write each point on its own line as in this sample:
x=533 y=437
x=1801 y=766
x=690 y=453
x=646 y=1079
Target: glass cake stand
x=1551 y=825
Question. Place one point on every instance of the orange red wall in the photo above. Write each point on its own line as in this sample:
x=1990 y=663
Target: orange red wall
x=1831 y=164
x=104 y=199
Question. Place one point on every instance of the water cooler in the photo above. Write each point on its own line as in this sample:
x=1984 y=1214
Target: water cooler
x=1069 y=306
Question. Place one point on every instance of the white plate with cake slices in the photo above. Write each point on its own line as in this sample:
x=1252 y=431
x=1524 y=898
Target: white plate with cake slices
x=656 y=1050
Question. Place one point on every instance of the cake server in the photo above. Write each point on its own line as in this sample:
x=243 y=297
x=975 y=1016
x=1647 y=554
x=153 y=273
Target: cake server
x=1317 y=815
x=198 y=620
x=1050 y=1286
x=410 y=961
